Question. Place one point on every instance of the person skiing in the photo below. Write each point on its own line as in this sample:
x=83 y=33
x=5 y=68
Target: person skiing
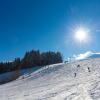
x=78 y=66
x=74 y=74
x=88 y=69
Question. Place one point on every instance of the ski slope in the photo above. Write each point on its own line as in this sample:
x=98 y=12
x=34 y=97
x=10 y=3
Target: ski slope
x=57 y=82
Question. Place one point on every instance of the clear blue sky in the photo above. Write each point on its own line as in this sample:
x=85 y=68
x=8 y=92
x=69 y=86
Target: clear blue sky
x=46 y=25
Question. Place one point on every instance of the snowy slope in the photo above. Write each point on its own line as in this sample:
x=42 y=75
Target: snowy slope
x=57 y=82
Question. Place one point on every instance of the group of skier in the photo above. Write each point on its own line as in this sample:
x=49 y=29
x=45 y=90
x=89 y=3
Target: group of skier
x=78 y=66
x=75 y=74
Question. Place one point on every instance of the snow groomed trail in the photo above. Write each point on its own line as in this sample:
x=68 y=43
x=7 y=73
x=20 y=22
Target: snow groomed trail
x=78 y=80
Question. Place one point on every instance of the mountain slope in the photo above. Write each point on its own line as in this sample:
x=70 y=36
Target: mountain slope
x=79 y=80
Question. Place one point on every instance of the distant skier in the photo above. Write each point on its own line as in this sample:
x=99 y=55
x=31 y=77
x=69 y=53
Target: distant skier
x=23 y=77
x=78 y=66
x=88 y=69
x=74 y=74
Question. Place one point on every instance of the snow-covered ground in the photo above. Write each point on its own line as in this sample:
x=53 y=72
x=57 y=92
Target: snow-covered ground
x=8 y=76
x=57 y=82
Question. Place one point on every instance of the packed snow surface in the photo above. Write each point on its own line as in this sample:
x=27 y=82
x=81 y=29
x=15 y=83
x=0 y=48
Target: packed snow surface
x=78 y=80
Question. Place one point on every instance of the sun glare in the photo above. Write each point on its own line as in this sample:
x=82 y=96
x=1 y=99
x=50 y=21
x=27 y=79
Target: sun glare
x=81 y=35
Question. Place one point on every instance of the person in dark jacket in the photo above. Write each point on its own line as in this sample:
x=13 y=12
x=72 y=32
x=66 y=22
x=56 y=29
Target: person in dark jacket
x=88 y=69
x=78 y=66
x=74 y=74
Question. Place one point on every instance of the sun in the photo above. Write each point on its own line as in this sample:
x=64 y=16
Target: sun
x=81 y=35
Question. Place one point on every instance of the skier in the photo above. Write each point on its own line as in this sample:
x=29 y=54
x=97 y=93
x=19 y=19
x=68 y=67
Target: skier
x=74 y=74
x=78 y=66
x=89 y=69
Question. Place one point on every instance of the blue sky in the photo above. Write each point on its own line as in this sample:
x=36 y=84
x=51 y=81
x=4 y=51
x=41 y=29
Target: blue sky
x=47 y=25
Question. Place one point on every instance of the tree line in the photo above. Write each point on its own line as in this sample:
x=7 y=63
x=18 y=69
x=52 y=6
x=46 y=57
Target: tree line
x=31 y=59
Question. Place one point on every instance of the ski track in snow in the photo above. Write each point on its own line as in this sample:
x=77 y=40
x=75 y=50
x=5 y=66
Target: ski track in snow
x=57 y=82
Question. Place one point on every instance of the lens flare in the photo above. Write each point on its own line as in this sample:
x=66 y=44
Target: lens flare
x=81 y=35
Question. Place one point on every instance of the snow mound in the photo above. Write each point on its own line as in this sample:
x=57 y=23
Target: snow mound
x=78 y=80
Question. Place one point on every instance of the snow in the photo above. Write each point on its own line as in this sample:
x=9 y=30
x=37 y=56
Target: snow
x=6 y=77
x=87 y=55
x=57 y=82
